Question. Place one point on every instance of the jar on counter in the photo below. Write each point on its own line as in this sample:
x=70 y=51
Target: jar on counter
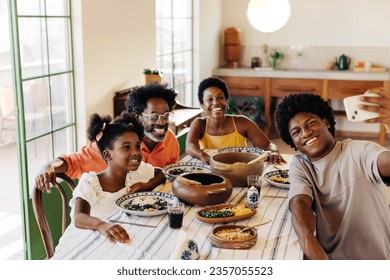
x=255 y=62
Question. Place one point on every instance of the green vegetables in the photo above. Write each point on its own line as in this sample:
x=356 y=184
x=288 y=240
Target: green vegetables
x=216 y=214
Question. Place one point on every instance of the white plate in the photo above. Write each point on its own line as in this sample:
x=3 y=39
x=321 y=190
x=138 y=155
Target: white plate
x=126 y=199
x=173 y=170
x=242 y=149
x=268 y=177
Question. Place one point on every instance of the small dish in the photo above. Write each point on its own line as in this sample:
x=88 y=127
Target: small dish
x=223 y=219
x=171 y=171
x=278 y=178
x=233 y=244
x=161 y=198
x=242 y=149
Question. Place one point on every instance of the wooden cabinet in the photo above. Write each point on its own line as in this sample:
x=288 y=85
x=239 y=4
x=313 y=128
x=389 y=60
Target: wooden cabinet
x=246 y=85
x=338 y=89
x=281 y=87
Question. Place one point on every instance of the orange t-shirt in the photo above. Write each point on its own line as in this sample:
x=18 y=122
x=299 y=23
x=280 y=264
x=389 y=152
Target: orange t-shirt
x=89 y=157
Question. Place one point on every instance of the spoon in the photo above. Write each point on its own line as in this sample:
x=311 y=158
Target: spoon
x=262 y=224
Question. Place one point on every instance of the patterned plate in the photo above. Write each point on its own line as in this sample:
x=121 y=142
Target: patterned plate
x=278 y=178
x=173 y=170
x=160 y=206
x=242 y=149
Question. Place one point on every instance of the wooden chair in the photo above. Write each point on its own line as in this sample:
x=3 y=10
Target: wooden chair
x=63 y=182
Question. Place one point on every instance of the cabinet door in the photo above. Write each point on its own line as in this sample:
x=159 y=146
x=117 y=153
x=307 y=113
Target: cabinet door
x=338 y=89
x=245 y=85
x=283 y=87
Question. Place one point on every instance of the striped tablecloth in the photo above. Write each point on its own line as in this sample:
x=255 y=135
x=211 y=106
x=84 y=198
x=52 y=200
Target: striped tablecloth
x=276 y=241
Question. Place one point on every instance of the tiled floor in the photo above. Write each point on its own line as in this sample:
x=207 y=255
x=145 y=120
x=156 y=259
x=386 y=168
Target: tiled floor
x=11 y=241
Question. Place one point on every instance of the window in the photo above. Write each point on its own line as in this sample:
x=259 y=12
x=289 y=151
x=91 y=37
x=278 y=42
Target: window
x=174 y=45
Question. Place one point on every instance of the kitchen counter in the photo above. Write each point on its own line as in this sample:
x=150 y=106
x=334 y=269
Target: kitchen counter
x=302 y=74
x=330 y=84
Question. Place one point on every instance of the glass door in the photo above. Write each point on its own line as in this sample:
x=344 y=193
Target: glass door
x=44 y=95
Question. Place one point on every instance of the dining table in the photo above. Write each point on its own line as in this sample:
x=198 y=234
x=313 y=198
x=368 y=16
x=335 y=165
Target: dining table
x=276 y=240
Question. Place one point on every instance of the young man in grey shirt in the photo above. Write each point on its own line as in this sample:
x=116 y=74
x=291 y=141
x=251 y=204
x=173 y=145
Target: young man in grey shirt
x=337 y=193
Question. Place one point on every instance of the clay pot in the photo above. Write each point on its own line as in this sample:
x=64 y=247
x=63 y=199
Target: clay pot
x=236 y=166
x=213 y=189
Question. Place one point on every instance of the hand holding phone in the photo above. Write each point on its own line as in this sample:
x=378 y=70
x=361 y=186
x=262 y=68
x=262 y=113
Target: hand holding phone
x=355 y=114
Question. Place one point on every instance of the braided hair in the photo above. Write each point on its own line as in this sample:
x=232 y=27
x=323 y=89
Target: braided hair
x=110 y=131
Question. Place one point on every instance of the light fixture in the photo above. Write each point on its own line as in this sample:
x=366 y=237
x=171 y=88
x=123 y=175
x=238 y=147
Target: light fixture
x=268 y=15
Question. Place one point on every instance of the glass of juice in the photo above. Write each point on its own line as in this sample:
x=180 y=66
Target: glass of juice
x=175 y=214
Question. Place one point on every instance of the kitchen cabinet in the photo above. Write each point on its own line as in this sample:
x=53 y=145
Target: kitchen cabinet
x=331 y=85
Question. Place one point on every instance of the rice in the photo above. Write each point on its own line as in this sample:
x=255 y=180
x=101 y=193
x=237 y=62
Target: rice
x=233 y=235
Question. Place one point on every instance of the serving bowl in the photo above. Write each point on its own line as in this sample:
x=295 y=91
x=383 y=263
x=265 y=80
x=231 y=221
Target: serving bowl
x=202 y=188
x=233 y=244
x=171 y=171
x=236 y=166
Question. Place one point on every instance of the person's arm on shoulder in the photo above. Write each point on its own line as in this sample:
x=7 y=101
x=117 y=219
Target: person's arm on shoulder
x=83 y=220
x=192 y=142
x=158 y=179
x=47 y=174
x=304 y=223
x=382 y=106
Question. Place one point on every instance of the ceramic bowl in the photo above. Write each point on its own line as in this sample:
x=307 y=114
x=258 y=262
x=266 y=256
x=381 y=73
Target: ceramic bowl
x=229 y=244
x=213 y=189
x=236 y=166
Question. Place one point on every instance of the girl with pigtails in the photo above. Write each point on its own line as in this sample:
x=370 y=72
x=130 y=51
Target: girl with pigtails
x=94 y=197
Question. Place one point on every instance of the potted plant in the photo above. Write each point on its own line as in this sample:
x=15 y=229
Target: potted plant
x=276 y=56
x=152 y=76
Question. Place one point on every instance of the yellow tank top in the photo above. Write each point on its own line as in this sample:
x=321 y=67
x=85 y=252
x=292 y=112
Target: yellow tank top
x=223 y=141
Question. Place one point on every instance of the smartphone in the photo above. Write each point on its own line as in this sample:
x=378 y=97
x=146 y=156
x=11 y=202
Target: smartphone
x=355 y=114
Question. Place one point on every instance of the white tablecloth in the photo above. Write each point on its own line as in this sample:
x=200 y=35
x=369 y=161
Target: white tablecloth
x=276 y=240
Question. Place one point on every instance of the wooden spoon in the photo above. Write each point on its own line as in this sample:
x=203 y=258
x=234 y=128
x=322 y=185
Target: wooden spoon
x=262 y=224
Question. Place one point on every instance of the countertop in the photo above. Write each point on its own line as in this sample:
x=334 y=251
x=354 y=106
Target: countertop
x=302 y=74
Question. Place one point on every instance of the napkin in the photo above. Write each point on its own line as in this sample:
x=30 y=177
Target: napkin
x=185 y=248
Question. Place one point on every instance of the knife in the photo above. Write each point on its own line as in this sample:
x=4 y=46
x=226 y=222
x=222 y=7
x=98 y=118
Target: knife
x=129 y=223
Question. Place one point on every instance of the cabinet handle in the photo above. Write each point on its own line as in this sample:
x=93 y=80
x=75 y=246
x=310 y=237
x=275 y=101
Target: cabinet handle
x=296 y=89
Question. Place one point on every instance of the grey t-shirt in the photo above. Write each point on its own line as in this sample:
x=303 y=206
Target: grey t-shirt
x=352 y=211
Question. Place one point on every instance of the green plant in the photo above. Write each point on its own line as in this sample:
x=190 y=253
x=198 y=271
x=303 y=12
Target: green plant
x=147 y=71
x=275 y=55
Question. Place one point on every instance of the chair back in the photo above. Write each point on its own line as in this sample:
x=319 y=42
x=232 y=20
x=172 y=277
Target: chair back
x=63 y=181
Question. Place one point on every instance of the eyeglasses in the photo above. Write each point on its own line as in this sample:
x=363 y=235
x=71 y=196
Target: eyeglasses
x=155 y=118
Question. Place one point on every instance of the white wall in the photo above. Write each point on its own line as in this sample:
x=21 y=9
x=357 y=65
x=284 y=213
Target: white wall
x=318 y=23
x=113 y=42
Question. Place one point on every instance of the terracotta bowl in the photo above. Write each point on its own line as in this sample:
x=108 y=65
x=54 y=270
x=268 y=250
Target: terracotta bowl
x=213 y=189
x=236 y=166
x=229 y=244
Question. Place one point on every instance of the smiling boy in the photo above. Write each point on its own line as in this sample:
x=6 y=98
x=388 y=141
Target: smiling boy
x=337 y=194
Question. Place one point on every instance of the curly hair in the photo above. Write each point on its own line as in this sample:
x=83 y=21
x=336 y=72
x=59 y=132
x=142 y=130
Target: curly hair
x=301 y=102
x=212 y=82
x=126 y=122
x=138 y=97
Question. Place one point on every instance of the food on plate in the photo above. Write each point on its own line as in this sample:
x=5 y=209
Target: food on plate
x=178 y=171
x=280 y=178
x=233 y=234
x=146 y=204
x=230 y=211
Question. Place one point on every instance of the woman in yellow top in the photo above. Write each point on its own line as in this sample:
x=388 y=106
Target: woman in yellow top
x=218 y=130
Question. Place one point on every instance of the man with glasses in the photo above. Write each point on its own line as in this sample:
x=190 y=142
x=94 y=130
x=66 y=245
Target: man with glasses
x=152 y=105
